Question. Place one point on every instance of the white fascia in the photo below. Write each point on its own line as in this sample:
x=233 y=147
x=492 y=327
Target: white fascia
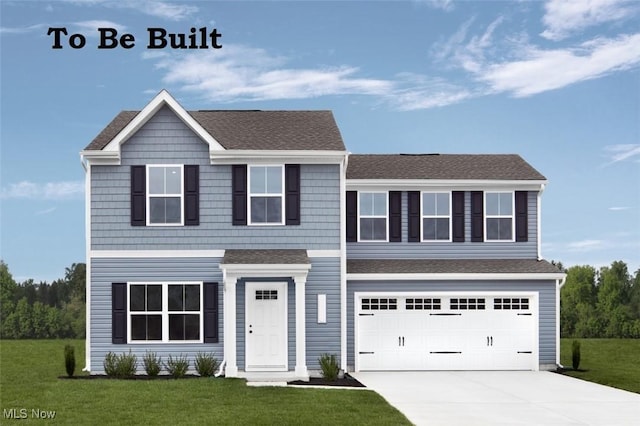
x=455 y=276
x=443 y=184
x=254 y=156
x=242 y=270
x=110 y=154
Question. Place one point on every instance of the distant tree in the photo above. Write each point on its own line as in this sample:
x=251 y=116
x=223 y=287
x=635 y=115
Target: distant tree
x=577 y=300
x=613 y=303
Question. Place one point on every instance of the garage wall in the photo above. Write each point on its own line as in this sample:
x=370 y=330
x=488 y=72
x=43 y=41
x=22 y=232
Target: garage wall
x=546 y=308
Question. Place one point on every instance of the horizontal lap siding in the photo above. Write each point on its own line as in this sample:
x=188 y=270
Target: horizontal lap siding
x=165 y=139
x=439 y=250
x=546 y=300
x=107 y=271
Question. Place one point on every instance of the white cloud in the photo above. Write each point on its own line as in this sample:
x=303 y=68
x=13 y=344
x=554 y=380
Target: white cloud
x=446 y=5
x=243 y=73
x=585 y=245
x=90 y=28
x=563 y=18
x=47 y=191
x=159 y=9
x=543 y=70
x=45 y=211
x=618 y=208
x=622 y=152
x=22 y=30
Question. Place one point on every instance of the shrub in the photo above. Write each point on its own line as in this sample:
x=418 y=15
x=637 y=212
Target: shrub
x=177 y=366
x=69 y=360
x=575 y=354
x=109 y=363
x=120 y=366
x=329 y=366
x=152 y=363
x=206 y=364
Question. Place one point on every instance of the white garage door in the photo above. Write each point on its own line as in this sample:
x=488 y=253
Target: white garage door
x=445 y=331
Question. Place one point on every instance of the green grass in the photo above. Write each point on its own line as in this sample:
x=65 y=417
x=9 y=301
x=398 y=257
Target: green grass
x=29 y=371
x=611 y=362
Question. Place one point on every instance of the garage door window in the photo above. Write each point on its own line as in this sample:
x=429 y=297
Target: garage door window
x=512 y=303
x=464 y=304
x=418 y=304
x=379 y=304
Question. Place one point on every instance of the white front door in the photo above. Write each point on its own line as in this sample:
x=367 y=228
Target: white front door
x=266 y=326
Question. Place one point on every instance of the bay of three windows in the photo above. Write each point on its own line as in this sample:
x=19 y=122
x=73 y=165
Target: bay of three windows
x=435 y=214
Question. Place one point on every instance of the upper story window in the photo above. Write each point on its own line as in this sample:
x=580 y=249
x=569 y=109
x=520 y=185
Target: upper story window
x=436 y=216
x=499 y=222
x=266 y=195
x=373 y=216
x=165 y=195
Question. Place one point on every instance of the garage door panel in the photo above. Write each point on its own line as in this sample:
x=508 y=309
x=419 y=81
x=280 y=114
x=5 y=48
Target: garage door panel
x=446 y=332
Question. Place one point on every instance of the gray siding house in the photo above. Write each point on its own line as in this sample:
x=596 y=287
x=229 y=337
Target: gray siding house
x=256 y=235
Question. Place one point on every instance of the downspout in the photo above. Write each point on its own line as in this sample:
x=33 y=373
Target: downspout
x=87 y=223
x=221 y=369
x=559 y=284
x=343 y=263
x=539 y=214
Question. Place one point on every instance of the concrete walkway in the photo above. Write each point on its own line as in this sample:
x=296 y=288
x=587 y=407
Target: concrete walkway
x=502 y=398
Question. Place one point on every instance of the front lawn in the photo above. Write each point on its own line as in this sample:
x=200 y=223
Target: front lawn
x=611 y=362
x=29 y=371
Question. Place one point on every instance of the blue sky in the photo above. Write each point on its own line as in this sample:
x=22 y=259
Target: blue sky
x=557 y=82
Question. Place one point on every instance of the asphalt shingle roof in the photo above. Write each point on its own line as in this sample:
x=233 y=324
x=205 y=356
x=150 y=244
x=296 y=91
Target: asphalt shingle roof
x=448 y=266
x=441 y=166
x=253 y=130
x=265 y=257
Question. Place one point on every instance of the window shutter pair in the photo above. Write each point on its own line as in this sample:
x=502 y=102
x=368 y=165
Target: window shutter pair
x=119 y=313
x=191 y=182
x=415 y=220
x=521 y=216
x=291 y=194
x=395 y=216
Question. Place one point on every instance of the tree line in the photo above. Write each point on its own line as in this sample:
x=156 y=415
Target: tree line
x=594 y=302
x=32 y=310
x=600 y=303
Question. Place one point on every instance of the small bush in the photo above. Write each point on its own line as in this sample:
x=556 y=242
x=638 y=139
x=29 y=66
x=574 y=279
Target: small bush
x=120 y=366
x=329 y=366
x=69 y=360
x=177 y=366
x=152 y=363
x=109 y=363
x=575 y=354
x=206 y=364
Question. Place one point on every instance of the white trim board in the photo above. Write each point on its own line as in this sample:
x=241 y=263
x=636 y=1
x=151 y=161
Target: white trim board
x=154 y=253
x=454 y=276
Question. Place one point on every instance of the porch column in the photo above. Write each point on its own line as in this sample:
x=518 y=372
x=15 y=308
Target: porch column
x=231 y=370
x=301 y=338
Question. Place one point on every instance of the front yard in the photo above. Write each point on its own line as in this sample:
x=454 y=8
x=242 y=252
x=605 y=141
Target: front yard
x=29 y=371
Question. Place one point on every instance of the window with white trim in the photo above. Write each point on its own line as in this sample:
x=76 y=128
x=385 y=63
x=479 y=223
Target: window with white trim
x=266 y=195
x=499 y=222
x=436 y=216
x=165 y=193
x=165 y=312
x=373 y=216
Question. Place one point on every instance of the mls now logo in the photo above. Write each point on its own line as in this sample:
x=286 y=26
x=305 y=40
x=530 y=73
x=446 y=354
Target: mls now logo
x=23 y=413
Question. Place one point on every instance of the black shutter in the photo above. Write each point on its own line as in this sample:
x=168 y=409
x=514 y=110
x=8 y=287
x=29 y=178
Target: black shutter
x=292 y=193
x=119 y=313
x=239 y=196
x=138 y=195
x=457 y=200
x=522 y=222
x=477 y=216
x=192 y=195
x=395 y=216
x=352 y=216
x=413 y=216
x=210 y=309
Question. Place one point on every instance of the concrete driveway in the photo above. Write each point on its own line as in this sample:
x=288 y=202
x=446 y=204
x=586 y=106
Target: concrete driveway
x=502 y=398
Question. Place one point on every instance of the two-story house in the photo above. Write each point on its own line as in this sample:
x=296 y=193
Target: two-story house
x=256 y=236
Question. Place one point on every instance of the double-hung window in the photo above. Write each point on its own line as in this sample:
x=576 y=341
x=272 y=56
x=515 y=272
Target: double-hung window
x=436 y=216
x=165 y=312
x=266 y=195
x=499 y=222
x=373 y=216
x=165 y=193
